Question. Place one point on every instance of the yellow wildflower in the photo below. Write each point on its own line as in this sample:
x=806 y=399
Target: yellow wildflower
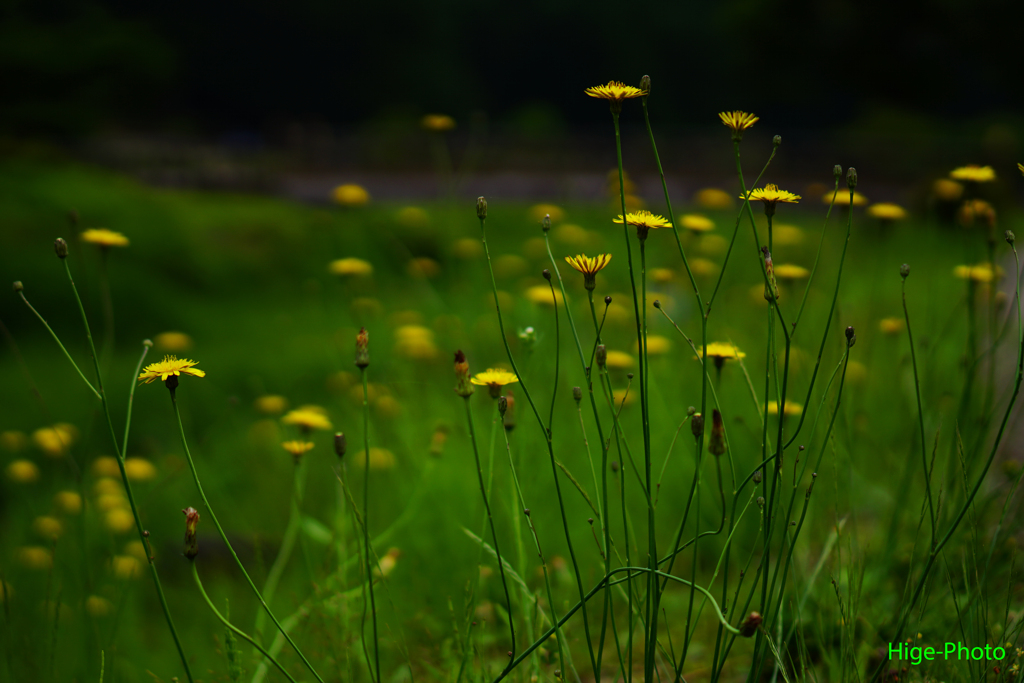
x=713 y=198
x=947 y=190
x=619 y=360
x=719 y=352
x=570 y=233
x=387 y=406
x=737 y=121
x=789 y=271
x=713 y=245
x=380 y=459
x=662 y=275
x=351 y=267
x=297 y=448
x=97 y=606
x=308 y=418
x=104 y=238
x=843 y=198
x=108 y=485
x=623 y=397
x=792 y=408
x=891 y=325
x=977 y=209
x=415 y=342
x=771 y=195
x=139 y=469
x=350 y=195
x=468 y=249
x=170 y=366
x=981 y=272
x=47 y=527
x=22 y=471
x=494 y=380
x=656 y=345
x=35 y=557
x=68 y=502
x=13 y=441
x=437 y=122
x=589 y=266
x=538 y=211
x=271 y=404
x=974 y=173
x=542 y=294
x=413 y=217
x=105 y=466
x=172 y=341
x=615 y=92
x=696 y=222
x=886 y=211
x=54 y=441
x=423 y=267
x=702 y=267
x=388 y=562
x=119 y=520
x=643 y=221
x=126 y=567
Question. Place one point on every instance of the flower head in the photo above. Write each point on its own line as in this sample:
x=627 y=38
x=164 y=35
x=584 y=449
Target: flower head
x=771 y=195
x=173 y=341
x=22 y=471
x=887 y=212
x=619 y=359
x=170 y=367
x=719 y=352
x=494 y=380
x=843 y=199
x=696 y=222
x=297 y=448
x=463 y=386
x=104 y=238
x=737 y=121
x=308 y=418
x=615 y=92
x=542 y=294
x=713 y=198
x=350 y=195
x=589 y=266
x=891 y=326
x=380 y=459
x=981 y=272
x=791 y=408
x=437 y=122
x=789 y=271
x=349 y=267
x=974 y=173
x=643 y=221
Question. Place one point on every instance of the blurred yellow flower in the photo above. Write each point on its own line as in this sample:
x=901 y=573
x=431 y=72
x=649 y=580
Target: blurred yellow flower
x=510 y=265
x=271 y=404
x=350 y=195
x=119 y=520
x=468 y=249
x=719 y=352
x=662 y=275
x=297 y=448
x=656 y=345
x=976 y=209
x=856 y=372
x=108 y=485
x=387 y=406
x=367 y=306
x=136 y=550
x=886 y=211
x=388 y=562
x=701 y=267
x=170 y=366
x=571 y=234
x=620 y=360
x=68 y=502
x=54 y=441
x=380 y=459
x=437 y=122
x=615 y=92
x=770 y=194
x=623 y=397
x=35 y=557
x=891 y=325
x=139 y=469
x=105 y=466
x=792 y=408
x=22 y=471
x=351 y=267
x=843 y=198
x=13 y=441
x=413 y=217
x=111 y=501
x=538 y=211
x=713 y=245
x=981 y=272
x=784 y=235
x=104 y=238
x=713 y=198
x=172 y=341
x=126 y=567
x=789 y=271
x=1020 y=167
x=542 y=294
x=423 y=267
x=696 y=222
x=974 y=173
x=97 y=606
x=308 y=418
x=738 y=121
x=947 y=190
x=47 y=527
x=416 y=342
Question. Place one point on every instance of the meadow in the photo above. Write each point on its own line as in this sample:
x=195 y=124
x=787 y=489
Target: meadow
x=707 y=552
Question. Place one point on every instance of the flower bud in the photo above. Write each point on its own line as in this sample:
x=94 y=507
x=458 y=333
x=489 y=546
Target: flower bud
x=502 y=405
x=851 y=178
x=717 y=443
x=645 y=85
x=191 y=542
x=615 y=466
x=509 y=416
x=1009 y=237
x=340 y=444
x=657 y=304
x=760 y=502
x=547 y=274
x=776 y=141
x=481 y=208
x=851 y=337
x=837 y=171
x=758 y=476
x=18 y=286
x=905 y=270
x=771 y=287
x=691 y=411
x=608 y=301
x=546 y=223
x=463 y=387
x=750 y=625
x=697 y=426
x=577 y=394
x=362 y=348
x=61 y=247
x=601 y=355
x=148 y=343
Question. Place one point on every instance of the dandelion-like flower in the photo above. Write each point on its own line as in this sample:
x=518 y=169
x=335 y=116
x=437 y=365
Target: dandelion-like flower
x=737 y=122
x=615 y=92
x=891 y=326
x=542 y=294
x=589 y=265
x=887 y=212
x=713 y=198
x=172 y=341
x=104 y=238
x=791 y=408
x=789 y=271
x=843 y=199
x=297 y=448
x=351 y=267
x=719 y=352
x=308 y=418
x=437 y=122
x=771 y=195
x=695 y=222
x=974 y=173
x=619 y=359
x=981 y=272
x=494 y=380
x=170 y=367
x=350 y=195
x=643 y=221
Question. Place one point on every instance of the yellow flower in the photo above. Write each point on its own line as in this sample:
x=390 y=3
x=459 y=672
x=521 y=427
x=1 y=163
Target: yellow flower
x=570 y=233
x=981 y=272
x=623 y=397
x=510 y=265
x=350 y=195
x=97 y=606
x=13 y=440
x=108 y=485
x=696 y=222
x=843 y=198
x=170 y=366
x=54 y=441
x=856 y=372
x=119 y=520
x=423 y=267
x=662 y=275
x=47 y=527
x=380 y=459
x=702 y=267
x=886 y=211
x=68 y=502
x=538 y=211
x=541 y=294
x=388 y=406
x=713 y=198
x=22 y=472
x=437 y=122
x=297 y=448
x=467 y=248
x=136 y=550
x=643 y=221
x=589 y=266
x=1020 y=167
x=656 y=345
x=771 y=195
x=974 y=173
x=351 y=267
x=791 y=408
x=977 y=209
x=947 y=190
x=388 y=562
x=891 y=325
x=416 y=342
x=619 y=360
x=615 y=92
x=494 y=379
x=789 y=271
x=104 y=238
x=719 y=352
x=737 y=121
x=106 y=466
x=271 y=404
x=308 y=418
x=172 y=341
x=714 y=245
x=413 y=217
x=35 y=557
x=126 y=567
x=139 y=469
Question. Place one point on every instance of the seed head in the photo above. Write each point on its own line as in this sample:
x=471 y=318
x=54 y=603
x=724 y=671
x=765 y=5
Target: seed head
x=851 y=178
x=851 y=337
x=61 y=247
x=905 y=270
x=758 y=477
x=191 y=542
x=776 y=141
x=657 y=303
x=645 y=85
x=481 y=208
x=1009 y=237
x=577 y=394
x=362 y=348
x=750 y=624
x=340 y=444
x=546 y=223
x=18 y=286
x=463 y=387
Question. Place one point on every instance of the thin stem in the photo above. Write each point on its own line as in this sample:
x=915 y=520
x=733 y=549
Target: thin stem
x=146 y=346
x=287 y=545
x=366 y=521
x=920 y=412
x=57 y=339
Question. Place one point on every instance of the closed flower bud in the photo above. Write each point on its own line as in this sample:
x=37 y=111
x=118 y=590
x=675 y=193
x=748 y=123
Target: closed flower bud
x=771 y=287
x=546 y=223
x=905 y=270
x=645 y=84
x=657 y=303
x=750 y=625
x=697 y=426
x=509 y=416
x=851 y=178
x=502 y=405
x=602 y=355
x=851 y=337
x=760 y=502
x=837 y=171
x=362 y=348
x=758 y=477
x=340 y=444
x=777 y=140
x=191 y=542
x=608 y=299
x=18 y=286
x=717 y=443
x=481 y=208
x=61 y=247
x=463 y=387
x=577 y=394
x=1009 y=237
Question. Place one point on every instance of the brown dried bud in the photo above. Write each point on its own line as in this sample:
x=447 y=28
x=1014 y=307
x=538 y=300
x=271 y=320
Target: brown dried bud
x=340 y=444
x=509 y=416
x=191 y=542
x=61 y=247
x=717 y=443
x=750 y=625
x=601 y=355
x=463 y=387
x=851 y=337
x=362 y=348
x=577 y=394
x=697 y=426
x=481 y=208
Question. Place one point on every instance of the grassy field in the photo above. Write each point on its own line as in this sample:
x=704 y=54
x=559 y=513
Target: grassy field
x=247 y=280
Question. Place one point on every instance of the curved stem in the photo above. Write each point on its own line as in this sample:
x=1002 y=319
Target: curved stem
x=57 y=339
x=920 y=413
x=291 y=532
x=366 y=523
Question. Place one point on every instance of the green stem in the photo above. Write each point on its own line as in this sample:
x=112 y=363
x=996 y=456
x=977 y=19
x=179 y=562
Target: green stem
x=287 y=545
x=920 y=413
x=57 y=339
x=366 y=523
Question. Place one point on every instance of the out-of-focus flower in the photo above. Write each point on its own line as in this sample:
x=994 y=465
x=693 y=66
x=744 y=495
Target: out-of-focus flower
x=891 y=325
x=47 y=527
x=784 y=235
x=542 y=294
x=976 y=210
x=423 y=267
x=125 y=567
x=656 y=345
x=413 y=217
x=510 y=265
x=119 y=520
x=437 y=122
x=35 y=557
x=947 y=190
x=308 y=418
x=387 y=406
x=538 y=211
x=22 y=471
x=271 y=404
x=388 y=562
x=623 y=397
x=701 y=267
x=662 y=275
x=713 y=198
x=790 y=272
x=620 y=360
x=719 y=352
x=297 y=448
x=172 y=341
x=571 y=234
x=415 y=342
x=350 y=195
x=106 y=466
x=843 y=198
x=104 y=238
x=68 y=502
x=351 y=267
x=380 y=459
x=695 y=222
x=97 y=606
x=467 y=248
x=139 y=469
x=886 y=211
x=792 y=408
x=981 y=272
x=54 y=441
x=13 y=441
x=974 y=174
x=170 y=366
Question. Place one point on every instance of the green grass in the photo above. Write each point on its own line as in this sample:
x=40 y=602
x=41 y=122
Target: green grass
x=247 y=279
